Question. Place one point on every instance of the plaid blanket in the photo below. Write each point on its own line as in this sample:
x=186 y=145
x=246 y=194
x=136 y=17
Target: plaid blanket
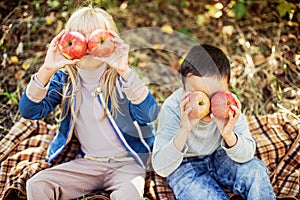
x=23 y=151
x=278 y=146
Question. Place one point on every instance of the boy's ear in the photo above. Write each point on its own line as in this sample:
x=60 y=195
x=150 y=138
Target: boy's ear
x=225 y=82
x=183 y=85
x=183 y=82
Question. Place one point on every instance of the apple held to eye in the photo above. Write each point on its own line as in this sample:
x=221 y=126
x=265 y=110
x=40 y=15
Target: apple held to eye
x=72 y=45
x=100 y=44
x=221 y=103
x=200 y=104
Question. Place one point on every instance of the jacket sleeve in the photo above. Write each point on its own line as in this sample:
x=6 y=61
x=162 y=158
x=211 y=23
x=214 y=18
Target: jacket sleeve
x=37 y=103
x=142 y=105
x=146 y=111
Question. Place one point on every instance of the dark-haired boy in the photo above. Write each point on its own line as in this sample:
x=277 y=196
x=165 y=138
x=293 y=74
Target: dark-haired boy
x=200 y=157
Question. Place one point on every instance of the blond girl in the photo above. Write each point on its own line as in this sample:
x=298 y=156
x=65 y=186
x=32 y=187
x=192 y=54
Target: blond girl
x=105 y=105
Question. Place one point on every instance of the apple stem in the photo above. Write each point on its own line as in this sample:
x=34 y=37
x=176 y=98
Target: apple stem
x=102 y=40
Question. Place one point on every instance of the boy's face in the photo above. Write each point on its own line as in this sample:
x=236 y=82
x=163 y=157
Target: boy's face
x=208 y=85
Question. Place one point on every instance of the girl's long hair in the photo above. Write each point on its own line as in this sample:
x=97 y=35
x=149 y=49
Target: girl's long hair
x=86 y=20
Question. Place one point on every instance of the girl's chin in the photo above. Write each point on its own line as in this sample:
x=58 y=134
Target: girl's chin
x=87 y=56
x=89 y=62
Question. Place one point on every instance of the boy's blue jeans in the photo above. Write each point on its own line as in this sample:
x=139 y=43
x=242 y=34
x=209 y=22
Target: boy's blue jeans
x=203 y=178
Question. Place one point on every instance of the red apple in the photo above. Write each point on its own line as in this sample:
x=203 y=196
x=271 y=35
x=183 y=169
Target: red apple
x=200 y=104
x=100 y=44
x=72 y=45
x=221 y=103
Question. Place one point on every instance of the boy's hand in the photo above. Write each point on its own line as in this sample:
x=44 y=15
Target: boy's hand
x=187 y=123
x=226 y=126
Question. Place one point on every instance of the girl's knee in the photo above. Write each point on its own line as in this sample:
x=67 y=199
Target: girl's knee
x=33 y=183
x=35 y=187
x=125 y=194
x=29 y=184
x=40 y=186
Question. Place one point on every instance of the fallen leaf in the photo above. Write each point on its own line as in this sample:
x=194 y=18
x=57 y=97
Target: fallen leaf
x=230 y=13
x=124 y=5
x=26 y=64
x=59 y=27
x=142 y=64
x=259 y=59
x=19 y=74
x=292 y=36
x=297 y=59
x=4 y=60
x=219 y=5
x=289 y=92
x=141 y=20
x=228 y=30
x=201 y=20
x=14 y=59
x=174 y=65
x=284 y=38
x=167 y=29
x=214 y=11
x=50 y=19
x=53 y=4
x=19 y=49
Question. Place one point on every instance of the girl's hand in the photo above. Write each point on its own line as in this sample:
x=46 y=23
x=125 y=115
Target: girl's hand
x=226 y=126
x=119 y=58
x=187 y=123
x=54 y=59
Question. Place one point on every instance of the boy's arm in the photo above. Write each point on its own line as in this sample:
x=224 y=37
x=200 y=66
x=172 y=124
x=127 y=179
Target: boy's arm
x=237 y=140
x=245 y=146
x=166 y=156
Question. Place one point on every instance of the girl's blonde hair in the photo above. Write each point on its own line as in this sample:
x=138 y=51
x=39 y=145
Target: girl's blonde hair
x=86 y=20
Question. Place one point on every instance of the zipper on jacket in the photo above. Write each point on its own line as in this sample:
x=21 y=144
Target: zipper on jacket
x=118 y=131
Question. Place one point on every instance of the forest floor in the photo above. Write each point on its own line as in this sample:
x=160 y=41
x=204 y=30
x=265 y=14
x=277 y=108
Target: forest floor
x=263 y=47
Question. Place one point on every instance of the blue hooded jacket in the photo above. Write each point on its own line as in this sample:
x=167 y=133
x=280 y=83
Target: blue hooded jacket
x=126 y=122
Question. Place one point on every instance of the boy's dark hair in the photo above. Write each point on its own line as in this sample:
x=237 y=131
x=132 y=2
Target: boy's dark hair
x=205 y=60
